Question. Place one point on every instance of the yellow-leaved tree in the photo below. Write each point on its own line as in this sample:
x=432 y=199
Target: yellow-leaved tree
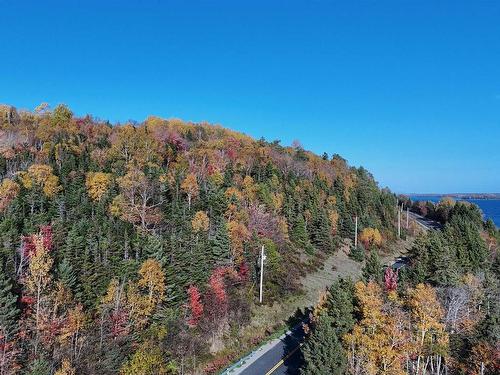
x=147 y=361
x=144 y=295
x=200 y=222
x=37 y=282
x=190 y=187
x=430 y=340
x=135 y=146
x=249 y=189
x=238 y=234
x=370 y=237
x=375 y=345
x=66 y=368
x=72 y=332
x=41 y=176
x=139 y=199
x=8 y=192
x=97 y=184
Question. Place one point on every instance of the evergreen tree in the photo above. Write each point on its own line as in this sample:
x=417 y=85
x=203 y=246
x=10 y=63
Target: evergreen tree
x=477 y=249
x=67 y=275
x=468 y=213
x=442 y=262
x=220 y=244
x=345 y=222
x=340 y=305
x=299 y=234
x=419 y=255
x=357 y=253
x=153 y=247
x=75 y=243
x=489 y=328
x=490 y=227
x=216 y=201
x=323 y=352
x=495 y=267
x=372 y=271
x=320 y=231
x=471 y=250
x=8 y=308
x=39 y=367
x=445 y=270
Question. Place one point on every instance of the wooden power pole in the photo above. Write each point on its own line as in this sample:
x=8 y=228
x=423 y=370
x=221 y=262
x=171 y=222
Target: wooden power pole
x=262 y=257
x=399 y=222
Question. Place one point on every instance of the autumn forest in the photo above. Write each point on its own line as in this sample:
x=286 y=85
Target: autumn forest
x=134 y=249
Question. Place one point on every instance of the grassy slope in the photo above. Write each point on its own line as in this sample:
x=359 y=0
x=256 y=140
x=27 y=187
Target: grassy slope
x=270 y=321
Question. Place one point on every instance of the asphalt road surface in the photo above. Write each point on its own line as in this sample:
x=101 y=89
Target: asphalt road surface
x=424 y=222
x=284 y=358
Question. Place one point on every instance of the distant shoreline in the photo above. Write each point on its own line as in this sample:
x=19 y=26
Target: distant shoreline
x=485 y=196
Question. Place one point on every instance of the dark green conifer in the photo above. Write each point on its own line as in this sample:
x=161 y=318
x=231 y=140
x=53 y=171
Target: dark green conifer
x=357 y=253
x=299 y=232
x=8 y=308
x=321 y=236
x=220 y=245
x=442 y=262
x=372 y=271
x=66 y=275
x=340 y=305
x=39 y=367
x=322 y=351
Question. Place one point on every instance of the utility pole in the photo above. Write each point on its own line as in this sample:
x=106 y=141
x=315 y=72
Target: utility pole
x=262 y=257
x=399 y=223
x=407 y=217
x=356 y=232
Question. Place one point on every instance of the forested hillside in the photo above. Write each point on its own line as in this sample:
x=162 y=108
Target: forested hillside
x=439 y=315
x=134 y=248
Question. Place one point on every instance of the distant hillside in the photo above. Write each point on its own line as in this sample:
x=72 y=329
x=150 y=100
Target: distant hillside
x=460 y=195
x=120 y=242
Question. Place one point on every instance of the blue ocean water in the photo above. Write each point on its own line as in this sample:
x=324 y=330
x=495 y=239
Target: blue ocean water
x=490 y=207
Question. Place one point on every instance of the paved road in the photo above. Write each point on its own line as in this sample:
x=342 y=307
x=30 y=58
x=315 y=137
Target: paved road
x=424 y=222
x=283 y=356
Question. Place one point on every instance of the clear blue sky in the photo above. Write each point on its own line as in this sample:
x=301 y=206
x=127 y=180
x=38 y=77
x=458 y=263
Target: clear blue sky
x=408 y=89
